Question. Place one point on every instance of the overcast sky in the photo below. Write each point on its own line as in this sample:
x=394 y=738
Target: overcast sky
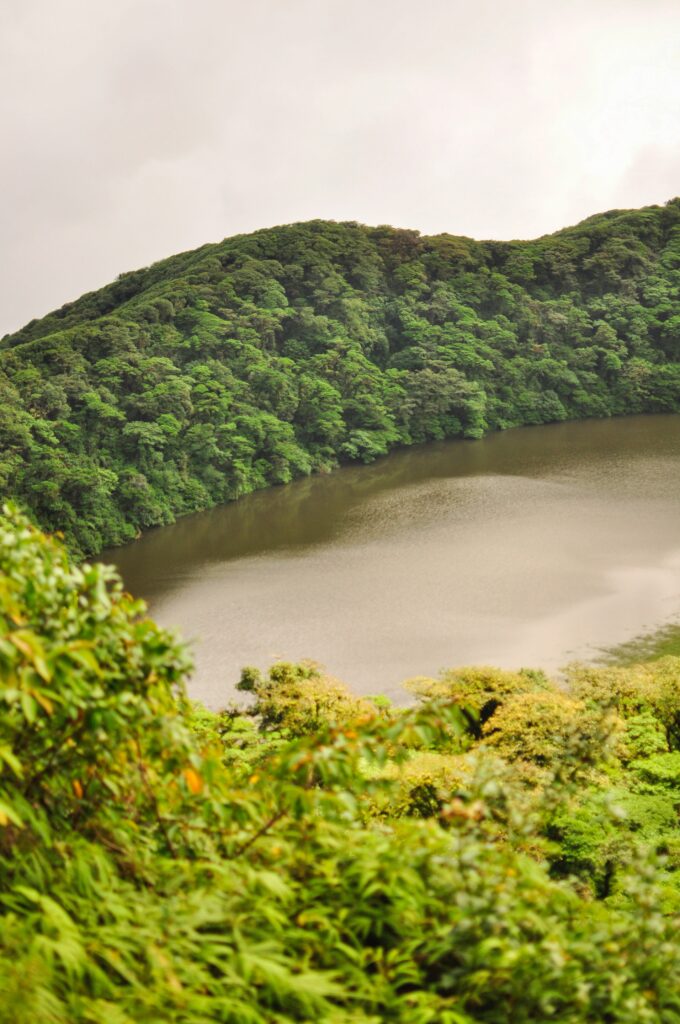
x=135 y=129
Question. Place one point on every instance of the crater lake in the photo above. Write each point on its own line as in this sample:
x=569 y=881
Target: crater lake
x=530 y=547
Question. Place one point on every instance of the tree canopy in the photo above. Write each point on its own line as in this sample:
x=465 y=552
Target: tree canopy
x=290 y=350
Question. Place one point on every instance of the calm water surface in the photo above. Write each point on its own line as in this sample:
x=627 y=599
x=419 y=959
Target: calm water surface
x=529 y=547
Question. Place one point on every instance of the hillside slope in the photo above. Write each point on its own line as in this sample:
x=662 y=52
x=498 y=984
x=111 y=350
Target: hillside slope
x=290 y=350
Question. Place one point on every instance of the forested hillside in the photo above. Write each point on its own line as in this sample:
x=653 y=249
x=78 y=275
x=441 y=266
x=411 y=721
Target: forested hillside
x=288 y=351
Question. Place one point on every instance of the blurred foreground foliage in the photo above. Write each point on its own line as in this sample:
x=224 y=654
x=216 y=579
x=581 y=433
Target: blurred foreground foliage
x=317 y=856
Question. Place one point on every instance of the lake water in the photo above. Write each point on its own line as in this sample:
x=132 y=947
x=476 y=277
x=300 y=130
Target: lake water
x=530 y=547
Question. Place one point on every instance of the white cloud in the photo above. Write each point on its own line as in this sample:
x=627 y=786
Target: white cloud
x=141 y=128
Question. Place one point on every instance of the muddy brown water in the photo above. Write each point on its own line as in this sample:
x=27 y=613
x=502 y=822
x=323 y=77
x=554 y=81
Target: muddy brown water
x=530 y=547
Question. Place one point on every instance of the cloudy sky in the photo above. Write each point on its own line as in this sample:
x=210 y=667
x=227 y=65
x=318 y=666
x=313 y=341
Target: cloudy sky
x=136 y=129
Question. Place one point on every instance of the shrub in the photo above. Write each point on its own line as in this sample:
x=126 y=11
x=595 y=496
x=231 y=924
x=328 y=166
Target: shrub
x=652 y=688
x=300 y=700
x=143 y=879
x=482 y=688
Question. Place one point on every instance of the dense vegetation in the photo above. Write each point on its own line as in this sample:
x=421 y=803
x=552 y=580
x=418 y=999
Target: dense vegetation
x=502 y=852
x=287 y=351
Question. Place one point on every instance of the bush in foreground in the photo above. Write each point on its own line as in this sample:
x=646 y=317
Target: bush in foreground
x=147 y=876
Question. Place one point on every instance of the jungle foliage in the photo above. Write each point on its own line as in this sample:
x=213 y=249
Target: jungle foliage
x=500 y=852
x=288 y=351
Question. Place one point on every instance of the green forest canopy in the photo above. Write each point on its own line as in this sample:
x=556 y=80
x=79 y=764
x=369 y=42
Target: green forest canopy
x=293 y=349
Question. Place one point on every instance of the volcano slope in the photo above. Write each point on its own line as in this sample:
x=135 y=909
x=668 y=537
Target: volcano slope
x=291 y=350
